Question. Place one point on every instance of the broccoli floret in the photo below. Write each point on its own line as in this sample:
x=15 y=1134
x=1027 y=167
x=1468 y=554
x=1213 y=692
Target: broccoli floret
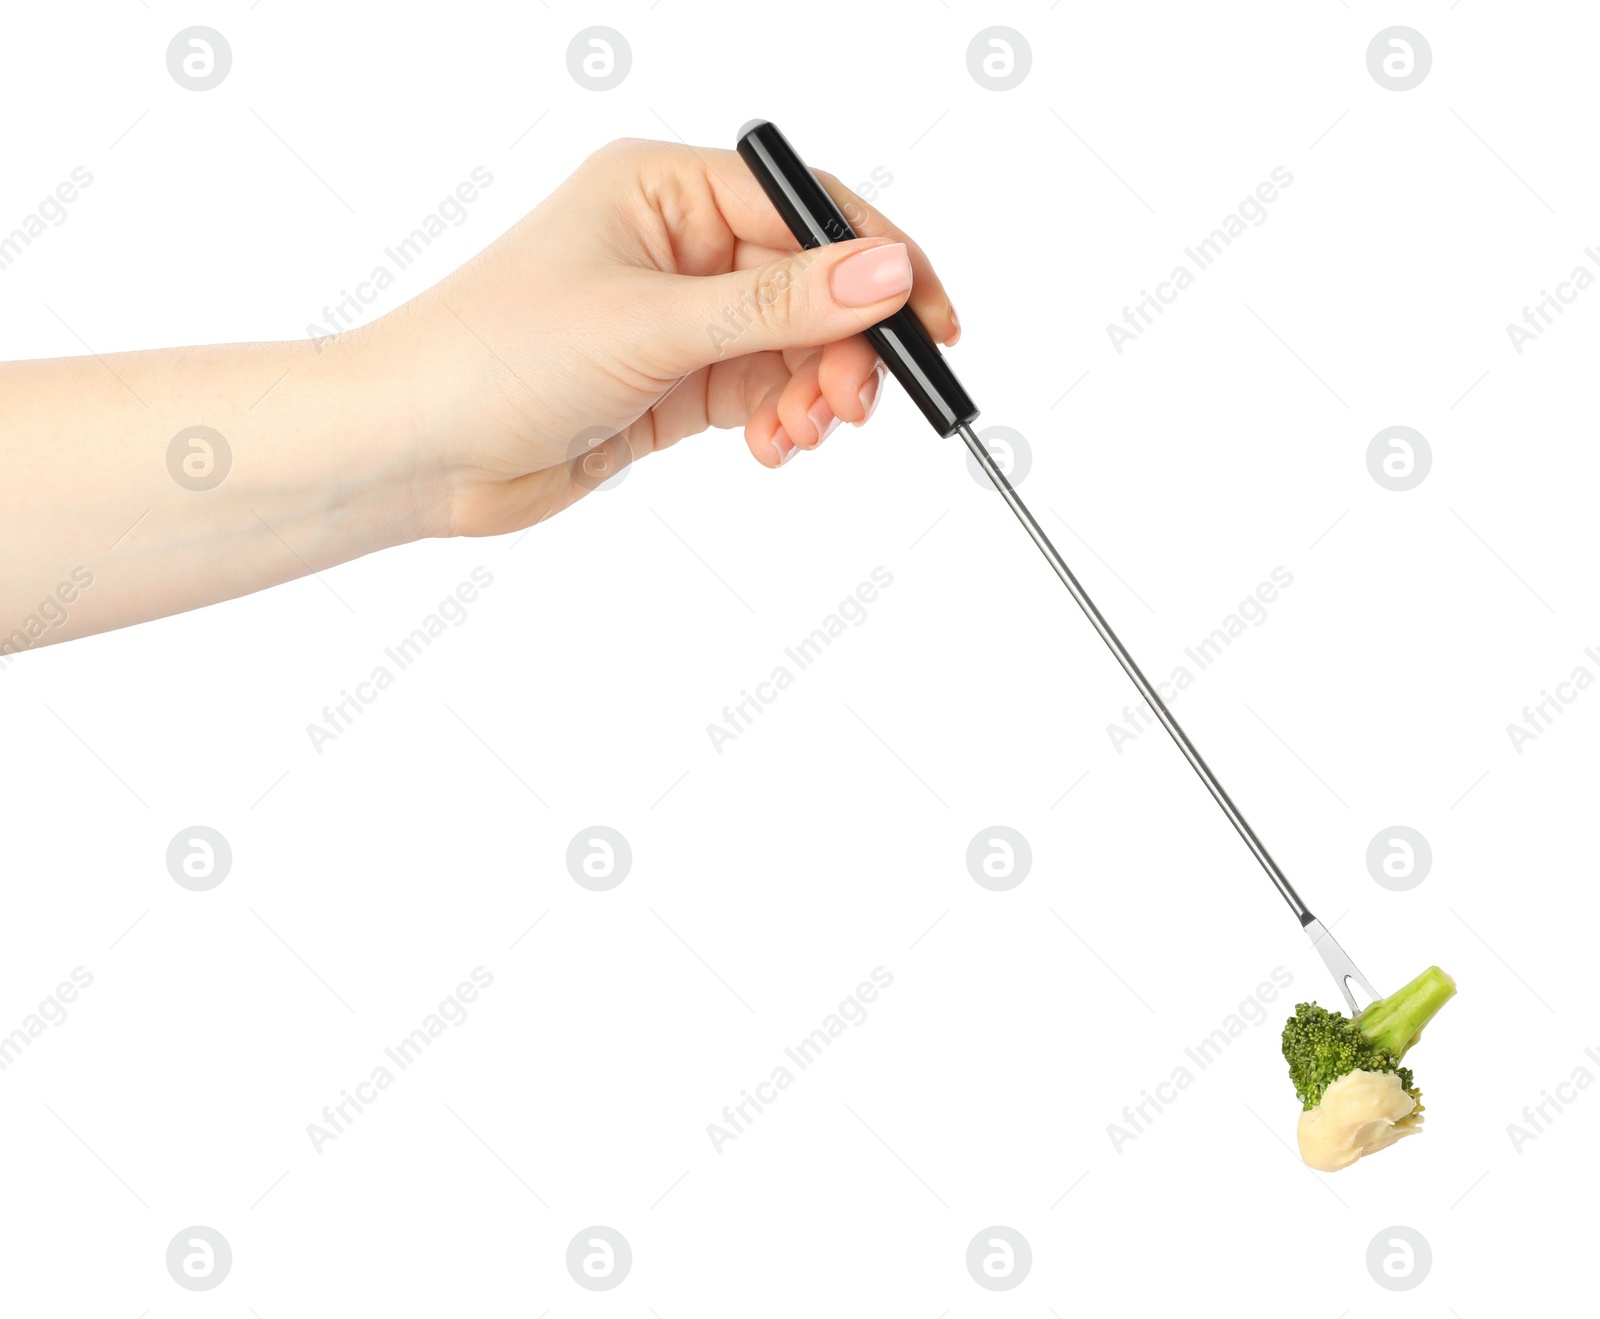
x=1321 y=1046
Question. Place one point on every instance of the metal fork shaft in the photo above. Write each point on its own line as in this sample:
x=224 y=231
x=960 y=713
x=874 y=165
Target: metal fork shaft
x=986 y=461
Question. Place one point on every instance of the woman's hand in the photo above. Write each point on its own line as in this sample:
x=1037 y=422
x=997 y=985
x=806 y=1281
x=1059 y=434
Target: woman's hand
x=655 y=294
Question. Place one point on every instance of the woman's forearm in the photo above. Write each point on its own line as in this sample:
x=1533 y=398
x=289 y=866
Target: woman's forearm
x=114 y=508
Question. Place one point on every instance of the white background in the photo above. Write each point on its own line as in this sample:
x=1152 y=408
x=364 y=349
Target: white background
x=769 y=879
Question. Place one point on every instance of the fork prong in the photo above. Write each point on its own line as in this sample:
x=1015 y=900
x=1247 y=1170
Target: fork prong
x=1344 y=970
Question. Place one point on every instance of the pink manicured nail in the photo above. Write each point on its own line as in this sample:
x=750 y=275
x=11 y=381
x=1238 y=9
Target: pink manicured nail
x=870 y=393
x=783 y=446
x=955 y=321
x=873 y=275
x=822 y=418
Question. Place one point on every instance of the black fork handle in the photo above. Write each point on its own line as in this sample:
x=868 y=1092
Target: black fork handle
x=905 y=347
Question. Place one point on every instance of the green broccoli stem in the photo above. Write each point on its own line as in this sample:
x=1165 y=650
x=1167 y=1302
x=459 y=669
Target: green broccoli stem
x=1395 y=1023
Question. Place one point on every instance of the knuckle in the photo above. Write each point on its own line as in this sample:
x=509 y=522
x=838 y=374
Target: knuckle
x=779 y=295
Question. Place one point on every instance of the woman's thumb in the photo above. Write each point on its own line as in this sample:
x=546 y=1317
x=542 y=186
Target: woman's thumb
x=800 y=301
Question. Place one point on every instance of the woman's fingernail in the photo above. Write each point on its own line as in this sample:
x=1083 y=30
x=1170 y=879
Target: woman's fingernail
x=955 y=321
x=870 y=393
x=783 y=446
x=871 y=276
x=822 y=418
